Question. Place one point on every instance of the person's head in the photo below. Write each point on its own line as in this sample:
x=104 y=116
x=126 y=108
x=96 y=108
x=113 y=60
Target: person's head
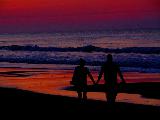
x=82 y=62
x=109 y=58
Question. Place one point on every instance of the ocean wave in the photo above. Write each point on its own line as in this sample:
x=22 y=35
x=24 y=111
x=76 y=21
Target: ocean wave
x=89 y=48
x=132 y=62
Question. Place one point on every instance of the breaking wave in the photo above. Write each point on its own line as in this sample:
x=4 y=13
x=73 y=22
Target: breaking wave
x=89 y=48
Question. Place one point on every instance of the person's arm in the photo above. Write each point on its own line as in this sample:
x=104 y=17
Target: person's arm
x=121 y=75
x=100 y=75
x=73 y=77
x=91 y=77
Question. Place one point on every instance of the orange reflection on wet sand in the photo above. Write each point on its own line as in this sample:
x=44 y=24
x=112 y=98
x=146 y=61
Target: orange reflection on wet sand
x=54 y=82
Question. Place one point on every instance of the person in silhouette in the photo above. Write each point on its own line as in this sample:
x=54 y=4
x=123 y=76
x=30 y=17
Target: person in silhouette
x=79 y=79
x=110 y=70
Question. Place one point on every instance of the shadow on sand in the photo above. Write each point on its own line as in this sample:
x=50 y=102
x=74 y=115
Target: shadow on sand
x=37 y=103
x=147 y=89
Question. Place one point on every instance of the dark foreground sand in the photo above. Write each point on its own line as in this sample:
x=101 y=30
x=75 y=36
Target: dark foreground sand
x=28 y=102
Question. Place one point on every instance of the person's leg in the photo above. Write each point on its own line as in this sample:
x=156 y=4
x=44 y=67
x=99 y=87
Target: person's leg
x=84 y=89
x=79 y=95
x=110 y=101
x=85 y=95
x=79 y=92
x=106 y=96
x=114 y=95
x=109 y=96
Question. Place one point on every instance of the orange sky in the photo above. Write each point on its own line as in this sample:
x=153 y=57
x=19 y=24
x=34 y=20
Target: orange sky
x=77 y=14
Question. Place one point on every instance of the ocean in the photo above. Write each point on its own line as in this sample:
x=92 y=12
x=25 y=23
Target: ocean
x=133 y=50
x=44 y=62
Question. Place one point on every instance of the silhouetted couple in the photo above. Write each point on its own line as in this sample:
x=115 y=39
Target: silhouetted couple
x=110 y=71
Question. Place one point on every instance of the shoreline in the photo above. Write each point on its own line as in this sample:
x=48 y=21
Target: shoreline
x=55 y=82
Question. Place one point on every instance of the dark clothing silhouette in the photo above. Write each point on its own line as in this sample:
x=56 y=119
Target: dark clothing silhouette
x=110 y=70
x=79 y=80
x=80 y=75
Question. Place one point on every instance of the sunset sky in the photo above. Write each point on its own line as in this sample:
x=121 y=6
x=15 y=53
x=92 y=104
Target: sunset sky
x=69 y=15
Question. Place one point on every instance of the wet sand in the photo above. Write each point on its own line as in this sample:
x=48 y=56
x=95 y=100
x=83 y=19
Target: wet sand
x=51 y=87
